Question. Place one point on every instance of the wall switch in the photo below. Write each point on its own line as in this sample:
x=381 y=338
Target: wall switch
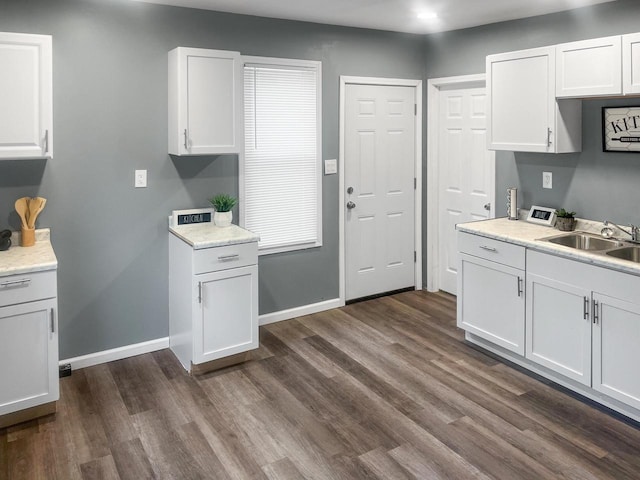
x=547 y=180
x=330 y=166
x=140 y=177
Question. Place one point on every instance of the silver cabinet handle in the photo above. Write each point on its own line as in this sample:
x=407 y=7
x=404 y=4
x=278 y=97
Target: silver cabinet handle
x=585 y=308
x=548 y=137
x=15 y=283
x=488 y=249
x=519 y=286
x=53 y=322
x=46 y=141
x=199 y=292
x=228 y=258
x=595 y=312
x=185 y=140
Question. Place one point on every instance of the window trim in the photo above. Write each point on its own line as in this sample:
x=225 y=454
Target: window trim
x=286 y=62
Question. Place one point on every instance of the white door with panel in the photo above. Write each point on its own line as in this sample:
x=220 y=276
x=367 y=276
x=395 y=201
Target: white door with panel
x=616 y=336
x=466 y=171
x=26 y=113
x=559 y=327
x=379 y=168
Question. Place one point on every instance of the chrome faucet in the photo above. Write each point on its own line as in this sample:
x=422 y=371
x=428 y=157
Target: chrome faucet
x=634 y=233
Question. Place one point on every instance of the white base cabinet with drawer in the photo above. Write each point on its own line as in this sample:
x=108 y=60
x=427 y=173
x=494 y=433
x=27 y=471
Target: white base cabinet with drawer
x=491 y=291
x=28 y=346
x=213 y=303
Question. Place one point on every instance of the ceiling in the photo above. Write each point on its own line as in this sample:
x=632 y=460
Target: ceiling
x=393 y=15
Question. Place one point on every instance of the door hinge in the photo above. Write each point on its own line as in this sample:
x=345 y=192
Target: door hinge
x=415 y=183
x=415 y=256
x=415 y=109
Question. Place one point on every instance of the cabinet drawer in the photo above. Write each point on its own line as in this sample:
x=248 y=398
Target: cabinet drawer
x=490 y=249
x=222 y=258
x=29 y=287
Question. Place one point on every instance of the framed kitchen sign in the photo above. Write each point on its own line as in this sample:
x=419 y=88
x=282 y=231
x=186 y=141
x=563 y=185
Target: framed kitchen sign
x=621 y=129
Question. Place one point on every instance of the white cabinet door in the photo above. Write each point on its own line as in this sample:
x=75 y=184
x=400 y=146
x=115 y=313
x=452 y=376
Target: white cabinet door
x=616 y=352
x=589 y=68
x=28 y=355
x=26 y=118
x=524 y=115
x=491 y=302
x=631 y=63
x=228 y=321
x=205 y=102
x=558 y=328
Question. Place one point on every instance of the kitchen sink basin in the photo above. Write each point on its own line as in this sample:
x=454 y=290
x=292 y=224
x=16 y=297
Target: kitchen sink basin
x=631 y=254
x=584 y=241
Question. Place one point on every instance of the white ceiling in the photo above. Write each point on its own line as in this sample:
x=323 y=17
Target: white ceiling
x=393 y=15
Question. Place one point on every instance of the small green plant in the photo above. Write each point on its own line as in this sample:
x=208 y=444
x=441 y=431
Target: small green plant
x=562 y=213
x=223 y=202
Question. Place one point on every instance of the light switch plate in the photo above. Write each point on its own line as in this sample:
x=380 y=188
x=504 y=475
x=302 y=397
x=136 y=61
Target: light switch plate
x=330 y=166
x=140 y=178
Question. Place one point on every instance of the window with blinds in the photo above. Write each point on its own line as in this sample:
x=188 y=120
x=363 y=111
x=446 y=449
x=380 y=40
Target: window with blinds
x=282 y=169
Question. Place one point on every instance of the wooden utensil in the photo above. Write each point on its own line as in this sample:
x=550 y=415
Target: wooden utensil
x=36 y=206
x=22 y=208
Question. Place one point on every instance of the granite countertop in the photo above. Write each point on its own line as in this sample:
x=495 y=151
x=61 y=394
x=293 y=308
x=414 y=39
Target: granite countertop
x=529 y=235
x=19 y=260
x=207 y=235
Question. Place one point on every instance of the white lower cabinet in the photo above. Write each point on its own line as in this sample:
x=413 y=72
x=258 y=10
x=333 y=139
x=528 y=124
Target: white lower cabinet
x=580 y=326
x=28 y=346
x=491 y=291
x=616 y=348
x=558 y=327
x=213 y=303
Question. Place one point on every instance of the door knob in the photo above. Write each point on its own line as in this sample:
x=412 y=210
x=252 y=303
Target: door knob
x=351 y=205
x=350 y=190
x=487 y=206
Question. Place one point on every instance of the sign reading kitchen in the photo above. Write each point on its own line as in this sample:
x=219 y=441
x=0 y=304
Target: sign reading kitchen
x=621 y=127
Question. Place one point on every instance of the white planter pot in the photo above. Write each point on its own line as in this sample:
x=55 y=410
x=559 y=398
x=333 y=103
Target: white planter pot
x=222 y=219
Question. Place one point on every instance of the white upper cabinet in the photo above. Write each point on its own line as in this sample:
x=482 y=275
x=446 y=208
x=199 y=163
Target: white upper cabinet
x=589 y=68
x=524 y=115
x=631 y=63
x=26 y=111
x=205 y=102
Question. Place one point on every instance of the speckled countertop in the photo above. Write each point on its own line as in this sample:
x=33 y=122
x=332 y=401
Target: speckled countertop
x=529 y=235
x=207 y=235
x=19 y=260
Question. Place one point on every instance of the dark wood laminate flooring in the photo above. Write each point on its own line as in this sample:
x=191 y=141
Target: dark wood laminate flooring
x=381 y=389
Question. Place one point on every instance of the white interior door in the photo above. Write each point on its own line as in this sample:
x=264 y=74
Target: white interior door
x=379 y=156
x=466 y=172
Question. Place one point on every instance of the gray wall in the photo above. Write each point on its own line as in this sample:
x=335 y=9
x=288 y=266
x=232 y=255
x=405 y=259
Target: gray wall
x=596 y=185
x=110 y=117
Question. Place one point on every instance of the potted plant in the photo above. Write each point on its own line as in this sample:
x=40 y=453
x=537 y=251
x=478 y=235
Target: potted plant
x=565 y=221
x=223 y=203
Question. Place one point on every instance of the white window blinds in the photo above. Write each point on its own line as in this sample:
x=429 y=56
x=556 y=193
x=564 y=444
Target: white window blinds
x=282 y=167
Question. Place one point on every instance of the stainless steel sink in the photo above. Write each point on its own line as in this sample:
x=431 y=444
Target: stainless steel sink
x=584 y=241
x=631 y=254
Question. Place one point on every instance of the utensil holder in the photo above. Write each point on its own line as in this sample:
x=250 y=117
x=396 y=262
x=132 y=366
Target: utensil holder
x=27 y=237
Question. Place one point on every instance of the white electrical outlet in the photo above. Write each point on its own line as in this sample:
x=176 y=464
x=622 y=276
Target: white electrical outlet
x=140 y=178
x=547 y=180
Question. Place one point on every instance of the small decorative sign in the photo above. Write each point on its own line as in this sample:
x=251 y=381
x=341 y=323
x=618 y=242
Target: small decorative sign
x=191 y=218
x=621 y=129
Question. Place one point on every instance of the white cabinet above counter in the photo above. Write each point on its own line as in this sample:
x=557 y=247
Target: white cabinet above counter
x=205 y=102
x=26 y=96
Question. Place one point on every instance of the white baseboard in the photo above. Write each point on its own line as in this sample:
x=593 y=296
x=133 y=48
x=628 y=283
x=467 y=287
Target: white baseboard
x=300 y=311
x=116 y=353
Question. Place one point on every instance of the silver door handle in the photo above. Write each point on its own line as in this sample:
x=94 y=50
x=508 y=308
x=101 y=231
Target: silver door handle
x=350 y=205
x=53 y=322
x=186 y=147
x=227 y=258
x=595 y=311
x=488 y=249
x=519 y=286
x=585 y=310
x=548 y=137
x=46 y=141
x=15 y=283
x=487 y=206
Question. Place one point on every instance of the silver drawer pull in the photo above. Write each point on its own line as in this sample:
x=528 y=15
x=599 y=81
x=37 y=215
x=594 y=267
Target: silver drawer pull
x=488 y=249
x=15 y=283
x=228 y=258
